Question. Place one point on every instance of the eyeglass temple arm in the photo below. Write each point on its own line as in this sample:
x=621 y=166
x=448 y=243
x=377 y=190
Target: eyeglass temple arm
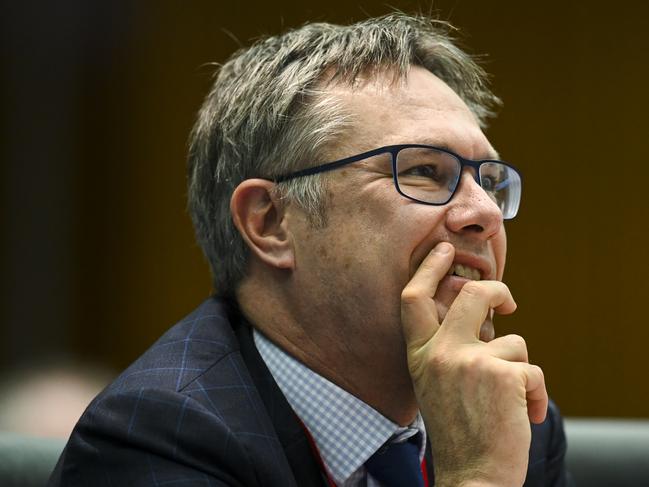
x=503 y=184
x=331 y=165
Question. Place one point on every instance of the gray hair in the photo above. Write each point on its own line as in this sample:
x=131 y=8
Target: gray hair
x=267 y=114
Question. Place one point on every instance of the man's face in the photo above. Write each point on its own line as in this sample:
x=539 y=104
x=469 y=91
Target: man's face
x=352 y=271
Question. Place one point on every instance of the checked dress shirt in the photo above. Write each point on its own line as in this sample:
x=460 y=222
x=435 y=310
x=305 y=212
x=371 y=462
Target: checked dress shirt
x=346 y=431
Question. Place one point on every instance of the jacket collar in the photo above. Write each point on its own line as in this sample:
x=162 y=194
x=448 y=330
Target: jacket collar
x=287 y=426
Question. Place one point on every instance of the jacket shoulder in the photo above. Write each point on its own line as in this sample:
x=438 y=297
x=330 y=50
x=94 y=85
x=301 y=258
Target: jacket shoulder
x=187 y=410
x=186 y=351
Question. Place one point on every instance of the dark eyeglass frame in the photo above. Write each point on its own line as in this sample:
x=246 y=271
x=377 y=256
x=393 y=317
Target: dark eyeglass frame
x=394 y=150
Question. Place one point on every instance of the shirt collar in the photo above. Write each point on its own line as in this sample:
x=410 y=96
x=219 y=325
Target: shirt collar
x=346 y=430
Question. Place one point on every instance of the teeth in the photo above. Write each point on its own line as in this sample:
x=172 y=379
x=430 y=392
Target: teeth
x=465 y=271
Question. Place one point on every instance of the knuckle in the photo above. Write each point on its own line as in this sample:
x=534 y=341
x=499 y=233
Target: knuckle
x=442 y=359
x=517 y=341
x=411 y=295
x=475 y=364
x=510 y=378
x=501 y=285
x=474 y=288
x=500 y=288
x=535 y=369
x=433 y=366
x=438 y=362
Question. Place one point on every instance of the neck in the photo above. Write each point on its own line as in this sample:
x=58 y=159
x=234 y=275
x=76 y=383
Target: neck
x=377 y=375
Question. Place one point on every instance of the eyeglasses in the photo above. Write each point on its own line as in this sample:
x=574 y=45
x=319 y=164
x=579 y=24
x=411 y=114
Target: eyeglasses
x=431 y=175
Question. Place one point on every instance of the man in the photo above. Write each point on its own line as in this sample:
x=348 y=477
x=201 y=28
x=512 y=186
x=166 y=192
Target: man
x=351 y=333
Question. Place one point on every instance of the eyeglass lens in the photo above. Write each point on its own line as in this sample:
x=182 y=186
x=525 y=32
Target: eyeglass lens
x=431 y=176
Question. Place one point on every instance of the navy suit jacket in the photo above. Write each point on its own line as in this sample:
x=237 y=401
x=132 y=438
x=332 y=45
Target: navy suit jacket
x=200 y=408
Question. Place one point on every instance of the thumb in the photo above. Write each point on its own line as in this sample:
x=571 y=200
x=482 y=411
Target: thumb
x=419 y=317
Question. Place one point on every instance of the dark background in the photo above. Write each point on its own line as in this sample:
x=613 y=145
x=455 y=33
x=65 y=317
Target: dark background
x=97 y=100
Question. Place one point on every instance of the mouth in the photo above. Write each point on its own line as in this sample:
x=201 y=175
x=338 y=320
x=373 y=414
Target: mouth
x=468 y=267
x=465 y=271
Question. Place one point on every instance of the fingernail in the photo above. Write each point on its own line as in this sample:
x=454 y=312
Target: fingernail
x=443 y=248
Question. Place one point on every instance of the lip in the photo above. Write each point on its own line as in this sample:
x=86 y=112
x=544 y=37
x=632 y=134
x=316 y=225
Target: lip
x=454 y=283
x=483 y=265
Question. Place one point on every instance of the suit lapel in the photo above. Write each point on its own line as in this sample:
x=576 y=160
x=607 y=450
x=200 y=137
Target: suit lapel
x=288 y=428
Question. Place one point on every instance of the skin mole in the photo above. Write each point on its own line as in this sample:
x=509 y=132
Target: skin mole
x=322 y=251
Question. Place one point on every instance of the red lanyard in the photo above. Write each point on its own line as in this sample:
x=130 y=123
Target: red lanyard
x=316 y=453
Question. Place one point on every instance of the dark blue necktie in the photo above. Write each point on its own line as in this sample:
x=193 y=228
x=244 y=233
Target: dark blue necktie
x=397 y=464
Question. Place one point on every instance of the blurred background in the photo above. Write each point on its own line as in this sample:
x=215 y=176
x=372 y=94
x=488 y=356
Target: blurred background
x=97 y=100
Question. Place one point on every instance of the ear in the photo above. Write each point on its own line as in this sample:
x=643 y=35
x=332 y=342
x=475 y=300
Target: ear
x=259 y=217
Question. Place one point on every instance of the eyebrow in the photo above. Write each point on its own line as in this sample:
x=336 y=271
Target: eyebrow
x=492 y=155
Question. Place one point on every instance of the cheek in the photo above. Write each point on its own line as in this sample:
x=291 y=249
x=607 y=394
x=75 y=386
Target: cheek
x=384 y=234
x=422 y=231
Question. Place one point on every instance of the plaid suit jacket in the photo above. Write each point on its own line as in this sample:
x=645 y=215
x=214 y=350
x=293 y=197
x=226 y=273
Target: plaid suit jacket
x=200 y=408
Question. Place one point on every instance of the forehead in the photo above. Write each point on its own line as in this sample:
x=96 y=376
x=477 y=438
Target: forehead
x=419 y=109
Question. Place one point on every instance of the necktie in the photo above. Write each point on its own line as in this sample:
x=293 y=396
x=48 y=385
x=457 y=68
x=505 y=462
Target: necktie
x=397 y=464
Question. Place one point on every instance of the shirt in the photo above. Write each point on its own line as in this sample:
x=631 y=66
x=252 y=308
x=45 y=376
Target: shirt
x=346 y=430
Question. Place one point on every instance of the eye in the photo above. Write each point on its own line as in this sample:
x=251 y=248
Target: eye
x=489 y=183
x=428 y=171
x=493 y=187
x=424 y=170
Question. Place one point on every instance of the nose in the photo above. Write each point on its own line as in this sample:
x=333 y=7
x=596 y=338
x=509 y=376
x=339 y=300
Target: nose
x=472 y=211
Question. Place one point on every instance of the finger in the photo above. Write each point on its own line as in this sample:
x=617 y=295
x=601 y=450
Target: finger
x=418 y=310
x=536 y=394
x=509 y=347
x=472 y=305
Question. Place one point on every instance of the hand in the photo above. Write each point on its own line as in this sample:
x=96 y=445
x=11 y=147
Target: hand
x=476 y=398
